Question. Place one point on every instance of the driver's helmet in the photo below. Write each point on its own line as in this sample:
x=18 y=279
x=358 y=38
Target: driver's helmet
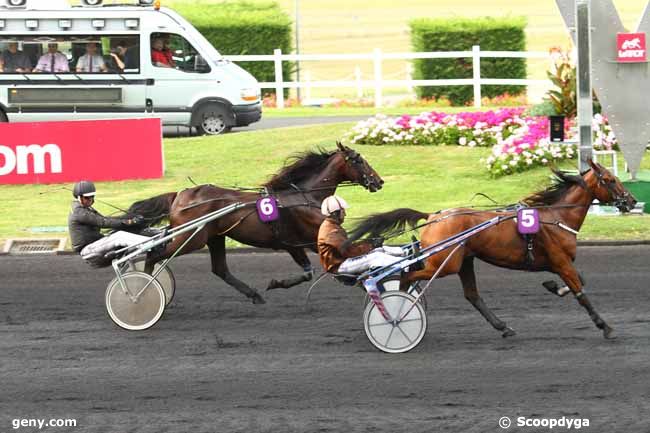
x=332 y=204
x=84 y=188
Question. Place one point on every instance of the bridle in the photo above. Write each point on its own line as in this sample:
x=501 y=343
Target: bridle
x=354 y=159
x=620 y=200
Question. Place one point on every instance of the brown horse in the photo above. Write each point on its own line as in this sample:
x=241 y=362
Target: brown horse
x=562 y=210
x=299 y=187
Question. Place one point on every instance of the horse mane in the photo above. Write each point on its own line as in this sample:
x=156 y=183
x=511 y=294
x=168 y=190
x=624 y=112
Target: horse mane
x=298 y=167
x=563 y=181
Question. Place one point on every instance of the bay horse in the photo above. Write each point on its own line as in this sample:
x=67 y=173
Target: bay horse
x=562 y=210
x=299 y=187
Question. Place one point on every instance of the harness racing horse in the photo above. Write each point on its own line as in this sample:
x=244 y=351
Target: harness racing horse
x=299 y=187
x=562 y=210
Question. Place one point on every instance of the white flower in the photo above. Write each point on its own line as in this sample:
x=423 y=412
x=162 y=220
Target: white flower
x=462 y=141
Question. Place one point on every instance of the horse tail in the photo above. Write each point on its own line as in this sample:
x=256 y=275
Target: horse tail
x=387 y=224
x=154 y=209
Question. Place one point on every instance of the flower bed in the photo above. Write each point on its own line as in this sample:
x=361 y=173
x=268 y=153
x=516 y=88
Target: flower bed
x=518 y=142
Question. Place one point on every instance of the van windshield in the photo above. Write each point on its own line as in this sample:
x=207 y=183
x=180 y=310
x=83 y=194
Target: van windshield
x=58 y=54
x=204 y=46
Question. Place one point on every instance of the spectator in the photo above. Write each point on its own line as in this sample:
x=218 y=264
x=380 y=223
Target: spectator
x=160 y=55
x=115 y=63
x=13 y=60
x=91 y=61
x=52 y=61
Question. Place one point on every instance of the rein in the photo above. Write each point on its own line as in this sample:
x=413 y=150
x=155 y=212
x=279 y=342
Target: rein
x=506 y=209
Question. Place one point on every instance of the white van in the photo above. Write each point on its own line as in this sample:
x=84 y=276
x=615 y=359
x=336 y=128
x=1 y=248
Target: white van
x=99 y=61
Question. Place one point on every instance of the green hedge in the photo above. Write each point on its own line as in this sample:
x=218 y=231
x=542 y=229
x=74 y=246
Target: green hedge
x=239 y=28
x=492 y=34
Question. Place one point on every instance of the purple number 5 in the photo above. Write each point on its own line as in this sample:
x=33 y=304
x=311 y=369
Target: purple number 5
x=528 y=221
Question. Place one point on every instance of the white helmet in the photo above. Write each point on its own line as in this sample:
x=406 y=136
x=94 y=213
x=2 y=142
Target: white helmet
x=332 y=204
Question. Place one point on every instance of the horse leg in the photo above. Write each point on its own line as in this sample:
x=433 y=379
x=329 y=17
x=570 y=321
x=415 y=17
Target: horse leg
x=573 y=280
x=470 y=288
x=217 y=247
x=300 y=257
x=553 y=287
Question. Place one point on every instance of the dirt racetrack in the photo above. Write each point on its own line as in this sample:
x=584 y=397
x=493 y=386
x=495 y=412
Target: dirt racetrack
x=217 y=363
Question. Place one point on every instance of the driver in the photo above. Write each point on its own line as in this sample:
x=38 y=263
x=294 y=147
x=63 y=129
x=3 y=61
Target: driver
x=337 y=254
x=84 y=224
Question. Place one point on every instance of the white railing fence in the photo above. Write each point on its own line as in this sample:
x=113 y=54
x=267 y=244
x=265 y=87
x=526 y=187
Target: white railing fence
x=379 y=81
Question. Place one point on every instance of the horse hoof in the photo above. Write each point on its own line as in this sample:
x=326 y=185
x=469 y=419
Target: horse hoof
x=609 y=333
x=508 y=332
x=257 y=299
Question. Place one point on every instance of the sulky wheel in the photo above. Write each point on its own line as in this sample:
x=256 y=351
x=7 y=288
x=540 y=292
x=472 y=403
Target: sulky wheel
x=397 y=336
x=136 y=309
x=165 y=278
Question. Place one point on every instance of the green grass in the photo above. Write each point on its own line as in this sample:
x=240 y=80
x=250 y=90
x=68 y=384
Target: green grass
x=425 y=178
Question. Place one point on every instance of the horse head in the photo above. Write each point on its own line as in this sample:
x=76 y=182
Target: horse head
x=608 y=189
x=356 y=169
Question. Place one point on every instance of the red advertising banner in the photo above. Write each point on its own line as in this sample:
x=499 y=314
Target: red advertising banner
x=630 y=47
x=97 y=150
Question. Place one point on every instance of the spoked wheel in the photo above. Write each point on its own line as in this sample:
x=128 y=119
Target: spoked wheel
x=165 y=278
x=397 y=336
x=136 y=309
x=391 y=284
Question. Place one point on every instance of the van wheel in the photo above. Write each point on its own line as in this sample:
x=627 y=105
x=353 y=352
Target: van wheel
x=212 y=122
x=3 y=117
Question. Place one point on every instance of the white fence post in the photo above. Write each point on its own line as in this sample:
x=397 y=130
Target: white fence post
x=357 y=79
x=476 y=67
x=409 y=77
x=279 y=89
x=307 y=84
x=378 y=78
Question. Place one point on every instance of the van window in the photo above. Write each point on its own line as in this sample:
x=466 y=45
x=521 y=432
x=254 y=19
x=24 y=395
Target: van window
x=169 y=50
x=69 y=54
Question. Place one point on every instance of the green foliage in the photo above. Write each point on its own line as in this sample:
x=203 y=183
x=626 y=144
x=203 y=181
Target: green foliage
x=240 y=28
x=564 y=97
x=492 y=34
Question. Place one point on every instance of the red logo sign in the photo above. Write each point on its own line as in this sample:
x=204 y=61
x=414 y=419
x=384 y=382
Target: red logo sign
x=55 y=152
x=631 y=47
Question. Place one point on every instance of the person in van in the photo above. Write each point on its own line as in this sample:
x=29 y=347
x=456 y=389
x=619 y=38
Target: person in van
x=91 y=61
x=13 y=60
x=115 y=62
x=52 y=61
x=161 y=56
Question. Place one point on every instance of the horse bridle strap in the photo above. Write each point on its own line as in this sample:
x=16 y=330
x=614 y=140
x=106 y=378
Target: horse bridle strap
x=614 y=198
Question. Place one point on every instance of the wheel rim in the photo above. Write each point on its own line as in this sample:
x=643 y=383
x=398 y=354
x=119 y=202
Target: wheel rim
x=213 y=124
x=402 y=336
x=131 y=315
x=165 y=278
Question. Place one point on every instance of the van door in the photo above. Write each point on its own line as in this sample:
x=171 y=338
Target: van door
x=180 y=74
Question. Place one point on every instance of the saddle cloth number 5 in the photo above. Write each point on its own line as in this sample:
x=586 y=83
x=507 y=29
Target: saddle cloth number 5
x=267 y=209
x=528 y=221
